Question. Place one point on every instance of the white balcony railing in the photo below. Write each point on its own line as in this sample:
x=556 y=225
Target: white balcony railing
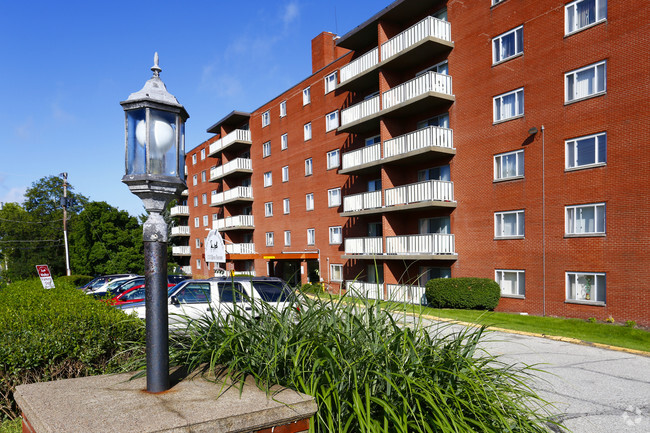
x=361 y=289
x=432 y=136
x=238 y=135
x=427 y=82
x=406 y=293
x=181 y=251
x=243 y=192
x=180 y=211
x=421 y=244
x=428 y=27
x=187 y=270
x=430 y=190
x=233 y=222
x=248 y=248
x=364 y=246
x=231 y=166
x=181 y=231
x=361 y=156
x=360 y=110
x=360 y=65
x=363 y=201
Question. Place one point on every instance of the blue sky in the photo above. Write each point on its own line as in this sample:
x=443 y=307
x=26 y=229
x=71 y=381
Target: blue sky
x=66 y=65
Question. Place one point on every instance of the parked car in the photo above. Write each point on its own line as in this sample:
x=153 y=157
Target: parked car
x=116 y=286
x=134 y=294
x=98 y=282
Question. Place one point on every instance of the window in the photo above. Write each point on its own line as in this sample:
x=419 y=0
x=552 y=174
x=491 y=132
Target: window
x=285 y=206
x=309 y=199
x=441 y=121
x=306 y=96
x=336 y=272
x=582 y=13
x=204 y=198
x=439 y=68
x=585 y=219
x=284 y=142
x=197 y=242
x=194 y=159
x=269 y=239
x=205 y=220
x=285 y=173
x=196 y=222
x=330 y=82
x=509 y=165
x=509 y=105
x=509 y=224
x=374 y=229
x=194 y=180
x=332 y=159
x=268 y=179
x=512 y=283
x=283 y=108
x=198 y=263
x=586 y=151
x=585 y=286
x=203 y=176
x=585 y=82
x=268 y=209
x=435 y=173
x=372 y=140
x=202 y=154
x=311 y=236
x=307 y=131
x=309 y=168
x=335 y=235
x=266 y=149
x=332 y=120
x=287 y=238
x=438 y=225
x=196 y=201
x=266 y=118
x=508 y=45
x=496 y=2
x=334 y=197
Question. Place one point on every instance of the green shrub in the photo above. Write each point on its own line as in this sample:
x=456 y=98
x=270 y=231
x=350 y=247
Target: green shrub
x=55 y=334
x=77 y=280
x=464 y=293
x=630 y=323
x=312 y=288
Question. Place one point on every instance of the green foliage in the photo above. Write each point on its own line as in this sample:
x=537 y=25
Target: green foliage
x=610 y=319
x=313 y=288
x=464 y=293
x=55 y=334
x=44 y=197
x=591 y=320
x=630 y=323
x=367 y=372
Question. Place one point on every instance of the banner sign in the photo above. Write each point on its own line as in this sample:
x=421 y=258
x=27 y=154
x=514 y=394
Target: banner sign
x=46 y=277
x=215 y=250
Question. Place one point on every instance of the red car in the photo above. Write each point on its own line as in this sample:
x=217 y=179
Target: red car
x=134 y=294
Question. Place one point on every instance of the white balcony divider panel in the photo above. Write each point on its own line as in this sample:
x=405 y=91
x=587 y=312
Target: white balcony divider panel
x=233 y=193
x=236 y=135
x=360 y=65
x=364 y=245
x=234 y=221
x=182 y=251
x=361 y=156
x=181 y=230
x=180 y=211
x=429 y=82
x=360 y=110
x=247 y=248
x=406 y=293
x=361 y=289
x=421 y=244
x=234 y=165
x=432 y=136
x=363 y=201
x=186 y=269
x=429 y=26
x=430 y=190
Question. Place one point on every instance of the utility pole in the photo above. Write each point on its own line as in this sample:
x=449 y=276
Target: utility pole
x=64 y=203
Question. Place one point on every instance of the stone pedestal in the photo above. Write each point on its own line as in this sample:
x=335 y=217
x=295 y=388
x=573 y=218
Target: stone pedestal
x=116 y=404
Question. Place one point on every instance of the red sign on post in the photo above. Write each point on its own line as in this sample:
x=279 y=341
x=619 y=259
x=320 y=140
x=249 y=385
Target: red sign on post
x=45 y=276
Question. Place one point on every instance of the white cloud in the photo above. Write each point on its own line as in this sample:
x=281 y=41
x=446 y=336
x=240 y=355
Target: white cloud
x=25 y=131
x=291 y=12
x=14 y=195
x=223 y=84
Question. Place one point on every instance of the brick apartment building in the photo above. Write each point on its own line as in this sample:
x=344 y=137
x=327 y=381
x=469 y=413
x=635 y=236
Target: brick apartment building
x=500 y=139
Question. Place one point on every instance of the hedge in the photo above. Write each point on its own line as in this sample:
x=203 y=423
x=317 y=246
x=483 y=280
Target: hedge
x=463 y=293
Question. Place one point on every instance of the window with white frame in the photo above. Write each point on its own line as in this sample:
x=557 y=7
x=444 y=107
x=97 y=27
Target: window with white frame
x=508 y=45
x=586 y=286
x=197 y=243
x=438 y=68
x=268 y=179
x=512 y=282
x=285 y=173
x=330 y=82
x=307 y=131
x=309 y=201
x=284 y=141
x=332 y=159
x=268 y=208
x=309 y=167
x=372 y=140
x=287 y=238
x=509 y=165
x=496 y=2
x=285 y=206
x=203 y=176
x=198 y=263
x=283 y=108
x=441 y=121
x=269 y=239
x=332 y=120
x=336 y=235
x=509 y=105
x=587 y=151
x=585 y=82
x=204 y=198
x=202 y=154
x=196 y=201
x=194 y=159
x=440 y=225
x=509 y=224
x=195 y=180
x=311 y=236
x=585 y=219
x=334 y=197
x=266 y=149
x=583 y=13
x=336 y=272
x=306 y=96
x=442 y=172
x=205 y=220
x=197 y=222
x=266 y=118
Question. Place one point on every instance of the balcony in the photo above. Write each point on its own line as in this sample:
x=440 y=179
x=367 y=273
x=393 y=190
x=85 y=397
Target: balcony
x=362 y=202
x=428 y=90
x=364 y=290
x=239 y=193
x=239 y=222
x=236 y=139
x=180 y=211
x=360 y=117
x=364 y=246
x=236 y=166
x=187 y=270
x=355 y=74
x=247 y=248
x=390 y=292
x=421 y=194
x=180 y=231
x=361 y=159
x=182 y=251
x=424 y=39
x=421 y=247
x=429 y=143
